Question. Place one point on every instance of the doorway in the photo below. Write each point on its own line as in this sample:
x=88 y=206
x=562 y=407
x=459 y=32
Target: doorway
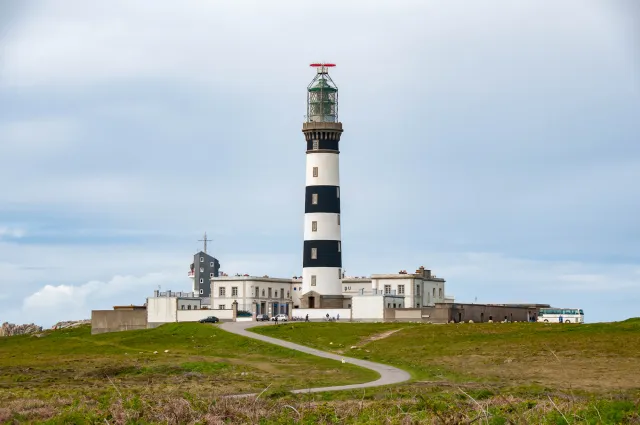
x=312 y=302
x=481 y=317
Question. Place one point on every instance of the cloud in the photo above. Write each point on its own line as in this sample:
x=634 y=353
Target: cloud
x=500 y=129
x=11 y=232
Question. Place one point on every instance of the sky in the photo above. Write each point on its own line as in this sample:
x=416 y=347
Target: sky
x=493 y=142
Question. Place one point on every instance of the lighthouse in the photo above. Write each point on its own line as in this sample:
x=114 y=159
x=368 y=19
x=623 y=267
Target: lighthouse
x=322 y=253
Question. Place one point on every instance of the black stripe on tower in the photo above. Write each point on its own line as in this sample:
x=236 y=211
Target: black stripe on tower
x=327 y=145
x=328 y=254
x=322 y=199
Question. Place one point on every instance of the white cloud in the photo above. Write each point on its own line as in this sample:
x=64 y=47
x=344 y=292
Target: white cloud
x=24 y=140
x=11 y=232
x=228 y=43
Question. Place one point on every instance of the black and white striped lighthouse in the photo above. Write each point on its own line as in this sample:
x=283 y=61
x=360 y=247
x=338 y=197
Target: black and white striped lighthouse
x=322 y=258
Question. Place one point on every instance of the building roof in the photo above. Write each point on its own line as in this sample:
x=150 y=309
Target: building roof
x=254 y=278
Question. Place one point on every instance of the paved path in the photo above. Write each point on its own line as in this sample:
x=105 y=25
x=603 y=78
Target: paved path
x=388 y=374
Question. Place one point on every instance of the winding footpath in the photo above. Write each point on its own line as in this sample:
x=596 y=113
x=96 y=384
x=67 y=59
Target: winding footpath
x=388 y=374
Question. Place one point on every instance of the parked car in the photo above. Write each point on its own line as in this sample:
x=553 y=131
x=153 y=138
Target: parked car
x=262 y=317
x=281 y=318
x=210 y=319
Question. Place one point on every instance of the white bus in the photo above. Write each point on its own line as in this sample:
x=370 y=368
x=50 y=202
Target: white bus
x=568 y=315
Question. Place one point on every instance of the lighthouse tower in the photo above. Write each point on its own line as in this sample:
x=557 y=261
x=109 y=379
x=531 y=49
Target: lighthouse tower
x=322 y=257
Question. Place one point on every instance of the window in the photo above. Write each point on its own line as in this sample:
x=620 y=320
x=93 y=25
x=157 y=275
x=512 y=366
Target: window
x=314 y=199
x=339 y=246
x=182 y=307
x=314 y=226
x=269 y=292
x=338 y=219
x=338 y=191
x=257 y=292
x=315 y=171
x=210 y=274
x=201 y=280
x=211 y=264
x=394 y=305
x=202 y=259
x=234 y=291
x=434 y=292
x=387 y=289
x=314 y=253
x=388 y=305
x=189 y=307
x=440 y=292
x=275 y=294
x=220 y=306
x=339 y=273
x=313 y=280
x=222 y=291
x=400 y=289
x=263 y=293
x=201 y=269
x=202 y=291
x=418 y=290
x=288 y=294
x=315 y=145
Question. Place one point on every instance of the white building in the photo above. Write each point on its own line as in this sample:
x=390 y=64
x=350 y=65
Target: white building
x=420 y=289
x=171 y=307
x=259 y=295
x=267 y=295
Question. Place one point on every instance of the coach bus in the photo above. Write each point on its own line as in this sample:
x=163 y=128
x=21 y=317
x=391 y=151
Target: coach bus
x=561 y=315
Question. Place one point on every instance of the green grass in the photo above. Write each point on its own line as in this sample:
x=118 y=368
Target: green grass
x=464 y=373
x=72 y=364
x=592 y=357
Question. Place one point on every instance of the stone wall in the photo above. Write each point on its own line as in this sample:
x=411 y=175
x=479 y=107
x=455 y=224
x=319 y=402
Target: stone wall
x=117 y=320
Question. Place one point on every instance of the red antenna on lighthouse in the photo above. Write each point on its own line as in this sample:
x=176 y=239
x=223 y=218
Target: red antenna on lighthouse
x=322 y=67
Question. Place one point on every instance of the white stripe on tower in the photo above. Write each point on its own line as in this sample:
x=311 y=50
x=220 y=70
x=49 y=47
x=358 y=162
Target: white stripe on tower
x=322 y=254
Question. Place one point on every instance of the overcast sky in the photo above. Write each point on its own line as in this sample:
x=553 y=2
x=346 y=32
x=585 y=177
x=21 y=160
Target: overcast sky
x=494 y=142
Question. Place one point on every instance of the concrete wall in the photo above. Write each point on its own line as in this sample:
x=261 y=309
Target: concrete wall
x=367 y=307
x=321 y=313
x=117 y=320
x=161 y=310
x=195 y=315
x=479 y=313
x=411 y=314
x=185 y=303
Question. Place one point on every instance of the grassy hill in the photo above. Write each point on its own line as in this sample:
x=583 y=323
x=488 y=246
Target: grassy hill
x=70 y=366
x=464 y=373
x=594 y=357
x=552 y=373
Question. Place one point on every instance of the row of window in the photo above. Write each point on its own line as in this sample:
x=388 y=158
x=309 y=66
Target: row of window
x=314 y=196
x=314 y=252
x=314 y=224
x=222 y=291
x=202 y=261
x=387 y=290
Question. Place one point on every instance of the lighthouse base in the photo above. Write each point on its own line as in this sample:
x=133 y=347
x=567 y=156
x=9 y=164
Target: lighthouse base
x=314 y=300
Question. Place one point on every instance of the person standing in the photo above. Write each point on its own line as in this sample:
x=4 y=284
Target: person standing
x=306 y=318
